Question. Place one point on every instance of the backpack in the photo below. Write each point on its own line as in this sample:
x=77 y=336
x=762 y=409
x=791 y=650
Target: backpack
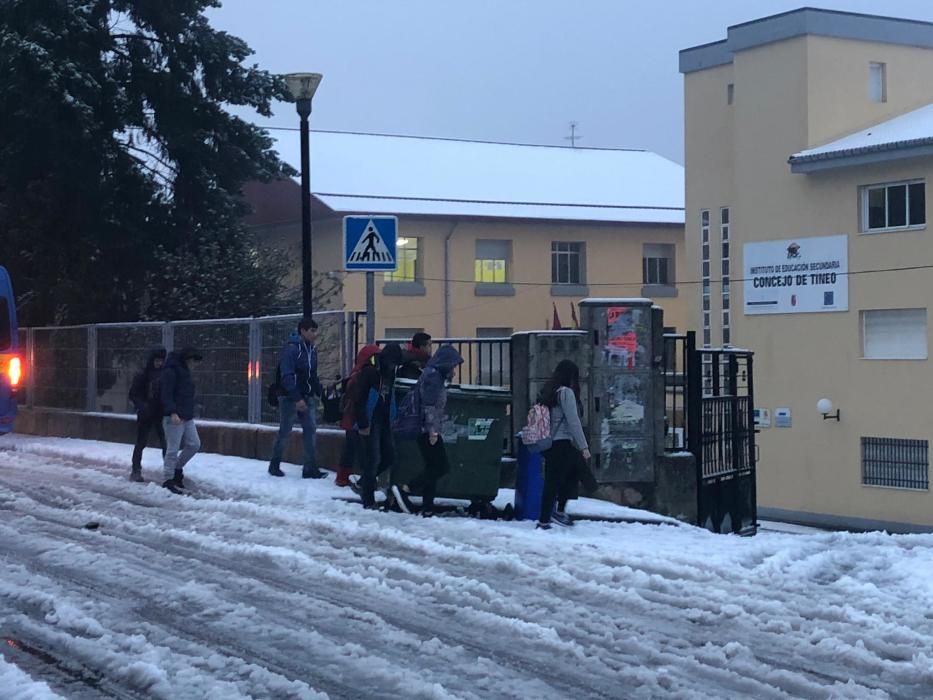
x=407 y=423
x=332 y=400
x=537 y=435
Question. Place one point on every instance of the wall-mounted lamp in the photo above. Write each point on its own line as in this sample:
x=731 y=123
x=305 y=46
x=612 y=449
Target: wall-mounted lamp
x=825 y=407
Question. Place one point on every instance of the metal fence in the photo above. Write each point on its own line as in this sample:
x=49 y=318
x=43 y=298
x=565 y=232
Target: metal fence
x=486 y=361
x=90 y=368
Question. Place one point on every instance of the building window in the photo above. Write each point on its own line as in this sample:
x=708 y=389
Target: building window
x=705 y=276
x=408 y=256
x=897 y=463
x=894 y=334
x=657 y=264
x=567 y=263
x=894 y=206
x=492 y=258
x=401 y=333
x=725 y=223
x=878 y=82
x=730 y=93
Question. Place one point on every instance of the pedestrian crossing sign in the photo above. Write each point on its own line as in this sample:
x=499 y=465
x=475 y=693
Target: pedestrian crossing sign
x=369 y=243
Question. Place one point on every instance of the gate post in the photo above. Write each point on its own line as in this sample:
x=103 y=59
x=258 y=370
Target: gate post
x=90 y=399
x=694 y=406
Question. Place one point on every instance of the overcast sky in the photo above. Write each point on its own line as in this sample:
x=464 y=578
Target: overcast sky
x=502 y=70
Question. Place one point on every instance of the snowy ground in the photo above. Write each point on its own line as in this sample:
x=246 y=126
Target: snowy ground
x=270 y=588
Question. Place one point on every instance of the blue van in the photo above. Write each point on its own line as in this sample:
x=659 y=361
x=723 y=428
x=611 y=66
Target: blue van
x=11 y=360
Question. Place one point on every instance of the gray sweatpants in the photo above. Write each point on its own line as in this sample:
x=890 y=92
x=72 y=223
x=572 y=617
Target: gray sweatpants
x=184 y=437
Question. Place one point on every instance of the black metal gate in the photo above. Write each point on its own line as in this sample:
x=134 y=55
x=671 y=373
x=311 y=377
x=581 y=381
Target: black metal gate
x=716 y=419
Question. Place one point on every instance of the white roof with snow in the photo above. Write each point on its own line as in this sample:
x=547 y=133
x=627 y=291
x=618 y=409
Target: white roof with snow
x=907 y=131
x=427 y=176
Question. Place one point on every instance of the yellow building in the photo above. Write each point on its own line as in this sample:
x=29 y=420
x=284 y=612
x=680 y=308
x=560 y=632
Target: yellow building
x=809 y=138
x=493 y=235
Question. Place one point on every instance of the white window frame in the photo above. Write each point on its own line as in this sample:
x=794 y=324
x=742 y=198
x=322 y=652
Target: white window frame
x=863 y=323
x=864 y=197
x=575 y=254
x=651 y=256
x=705 y=296
x=878 y=82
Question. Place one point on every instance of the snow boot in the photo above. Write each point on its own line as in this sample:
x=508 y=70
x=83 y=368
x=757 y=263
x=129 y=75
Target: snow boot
x=343 y=476
x=275 y=469
x=137 y=475
x=179 y=479
x=172 y=486
x=312 y=473
x=562 y=518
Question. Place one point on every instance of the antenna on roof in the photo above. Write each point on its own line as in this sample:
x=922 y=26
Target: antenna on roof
x=573 y=135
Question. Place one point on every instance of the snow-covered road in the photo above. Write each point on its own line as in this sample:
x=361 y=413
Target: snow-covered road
x=270 y=588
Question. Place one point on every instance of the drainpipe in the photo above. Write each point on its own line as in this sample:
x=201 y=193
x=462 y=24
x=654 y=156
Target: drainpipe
x=447 y=277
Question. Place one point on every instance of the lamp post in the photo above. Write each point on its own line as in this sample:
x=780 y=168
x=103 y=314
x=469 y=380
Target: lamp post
x=302 y=87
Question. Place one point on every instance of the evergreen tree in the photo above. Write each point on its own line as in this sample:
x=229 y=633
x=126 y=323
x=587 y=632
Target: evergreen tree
x=121 y=171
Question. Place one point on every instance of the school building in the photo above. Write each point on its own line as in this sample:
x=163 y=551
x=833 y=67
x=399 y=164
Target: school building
x=809 y=143
x=492 y=236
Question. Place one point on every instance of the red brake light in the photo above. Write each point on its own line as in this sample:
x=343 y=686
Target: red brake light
x=15 y=370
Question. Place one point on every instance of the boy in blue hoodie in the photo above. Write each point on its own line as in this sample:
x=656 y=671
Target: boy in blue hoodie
x=300 y=389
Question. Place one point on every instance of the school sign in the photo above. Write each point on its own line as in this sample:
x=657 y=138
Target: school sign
x=794 y=276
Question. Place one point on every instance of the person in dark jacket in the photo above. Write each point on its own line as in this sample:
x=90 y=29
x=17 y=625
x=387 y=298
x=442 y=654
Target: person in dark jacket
x=147 y=401
x=433 y=387
x=373 y=412
x=416 y=356
x=177 y=391
x=300 y=387
x=565 y=462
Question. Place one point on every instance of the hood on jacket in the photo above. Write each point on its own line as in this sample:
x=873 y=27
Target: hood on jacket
x=364 y=356
x=154 y=354
x=174 y=360
x=445 y=360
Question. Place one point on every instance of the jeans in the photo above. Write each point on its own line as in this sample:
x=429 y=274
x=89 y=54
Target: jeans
x=145 y=422
x=560 y=477
x=376 y=453
x=288 y=413
x=183 y=436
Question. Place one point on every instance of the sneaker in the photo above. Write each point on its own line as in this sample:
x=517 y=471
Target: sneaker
x=427 y=513
x=137 y=476
x=401 y=500
x=172 y=486
x=276 y=470
x=343 y=477
x=562 y=518
x=314 y=473
x=543 y=526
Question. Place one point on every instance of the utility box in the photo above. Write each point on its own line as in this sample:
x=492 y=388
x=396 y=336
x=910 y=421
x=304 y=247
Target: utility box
x=534 y=355
x=625 y=403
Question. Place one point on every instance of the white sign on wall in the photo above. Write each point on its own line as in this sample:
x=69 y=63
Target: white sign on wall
x=796 y=276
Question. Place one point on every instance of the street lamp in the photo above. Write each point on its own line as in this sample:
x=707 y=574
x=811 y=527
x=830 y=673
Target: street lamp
x=302 y=87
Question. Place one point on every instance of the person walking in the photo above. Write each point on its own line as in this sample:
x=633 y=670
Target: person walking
x=565 y=461
x=181 y=436
x=416 y=356
x=374 y=410
x=432 y=386
x=300 y=389
x=147 y=400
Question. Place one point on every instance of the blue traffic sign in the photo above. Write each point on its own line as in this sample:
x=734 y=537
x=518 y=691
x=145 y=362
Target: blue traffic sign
x=369 y=243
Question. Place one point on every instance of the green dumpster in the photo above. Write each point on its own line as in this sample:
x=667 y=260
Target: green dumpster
x=476 y=424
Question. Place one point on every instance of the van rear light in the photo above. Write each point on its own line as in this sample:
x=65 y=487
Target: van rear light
x=15 y=371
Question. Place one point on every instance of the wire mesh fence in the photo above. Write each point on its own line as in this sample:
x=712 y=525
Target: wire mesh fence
x=91 y=368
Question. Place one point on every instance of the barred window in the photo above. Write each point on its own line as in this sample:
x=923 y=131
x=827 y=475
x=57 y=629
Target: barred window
x=898 y=463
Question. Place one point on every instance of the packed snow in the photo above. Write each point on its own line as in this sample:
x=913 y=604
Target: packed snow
x=272 y=588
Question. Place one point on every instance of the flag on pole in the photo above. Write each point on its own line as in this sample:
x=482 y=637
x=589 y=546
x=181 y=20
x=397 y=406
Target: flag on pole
x=555 y=325
x=573 y=315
